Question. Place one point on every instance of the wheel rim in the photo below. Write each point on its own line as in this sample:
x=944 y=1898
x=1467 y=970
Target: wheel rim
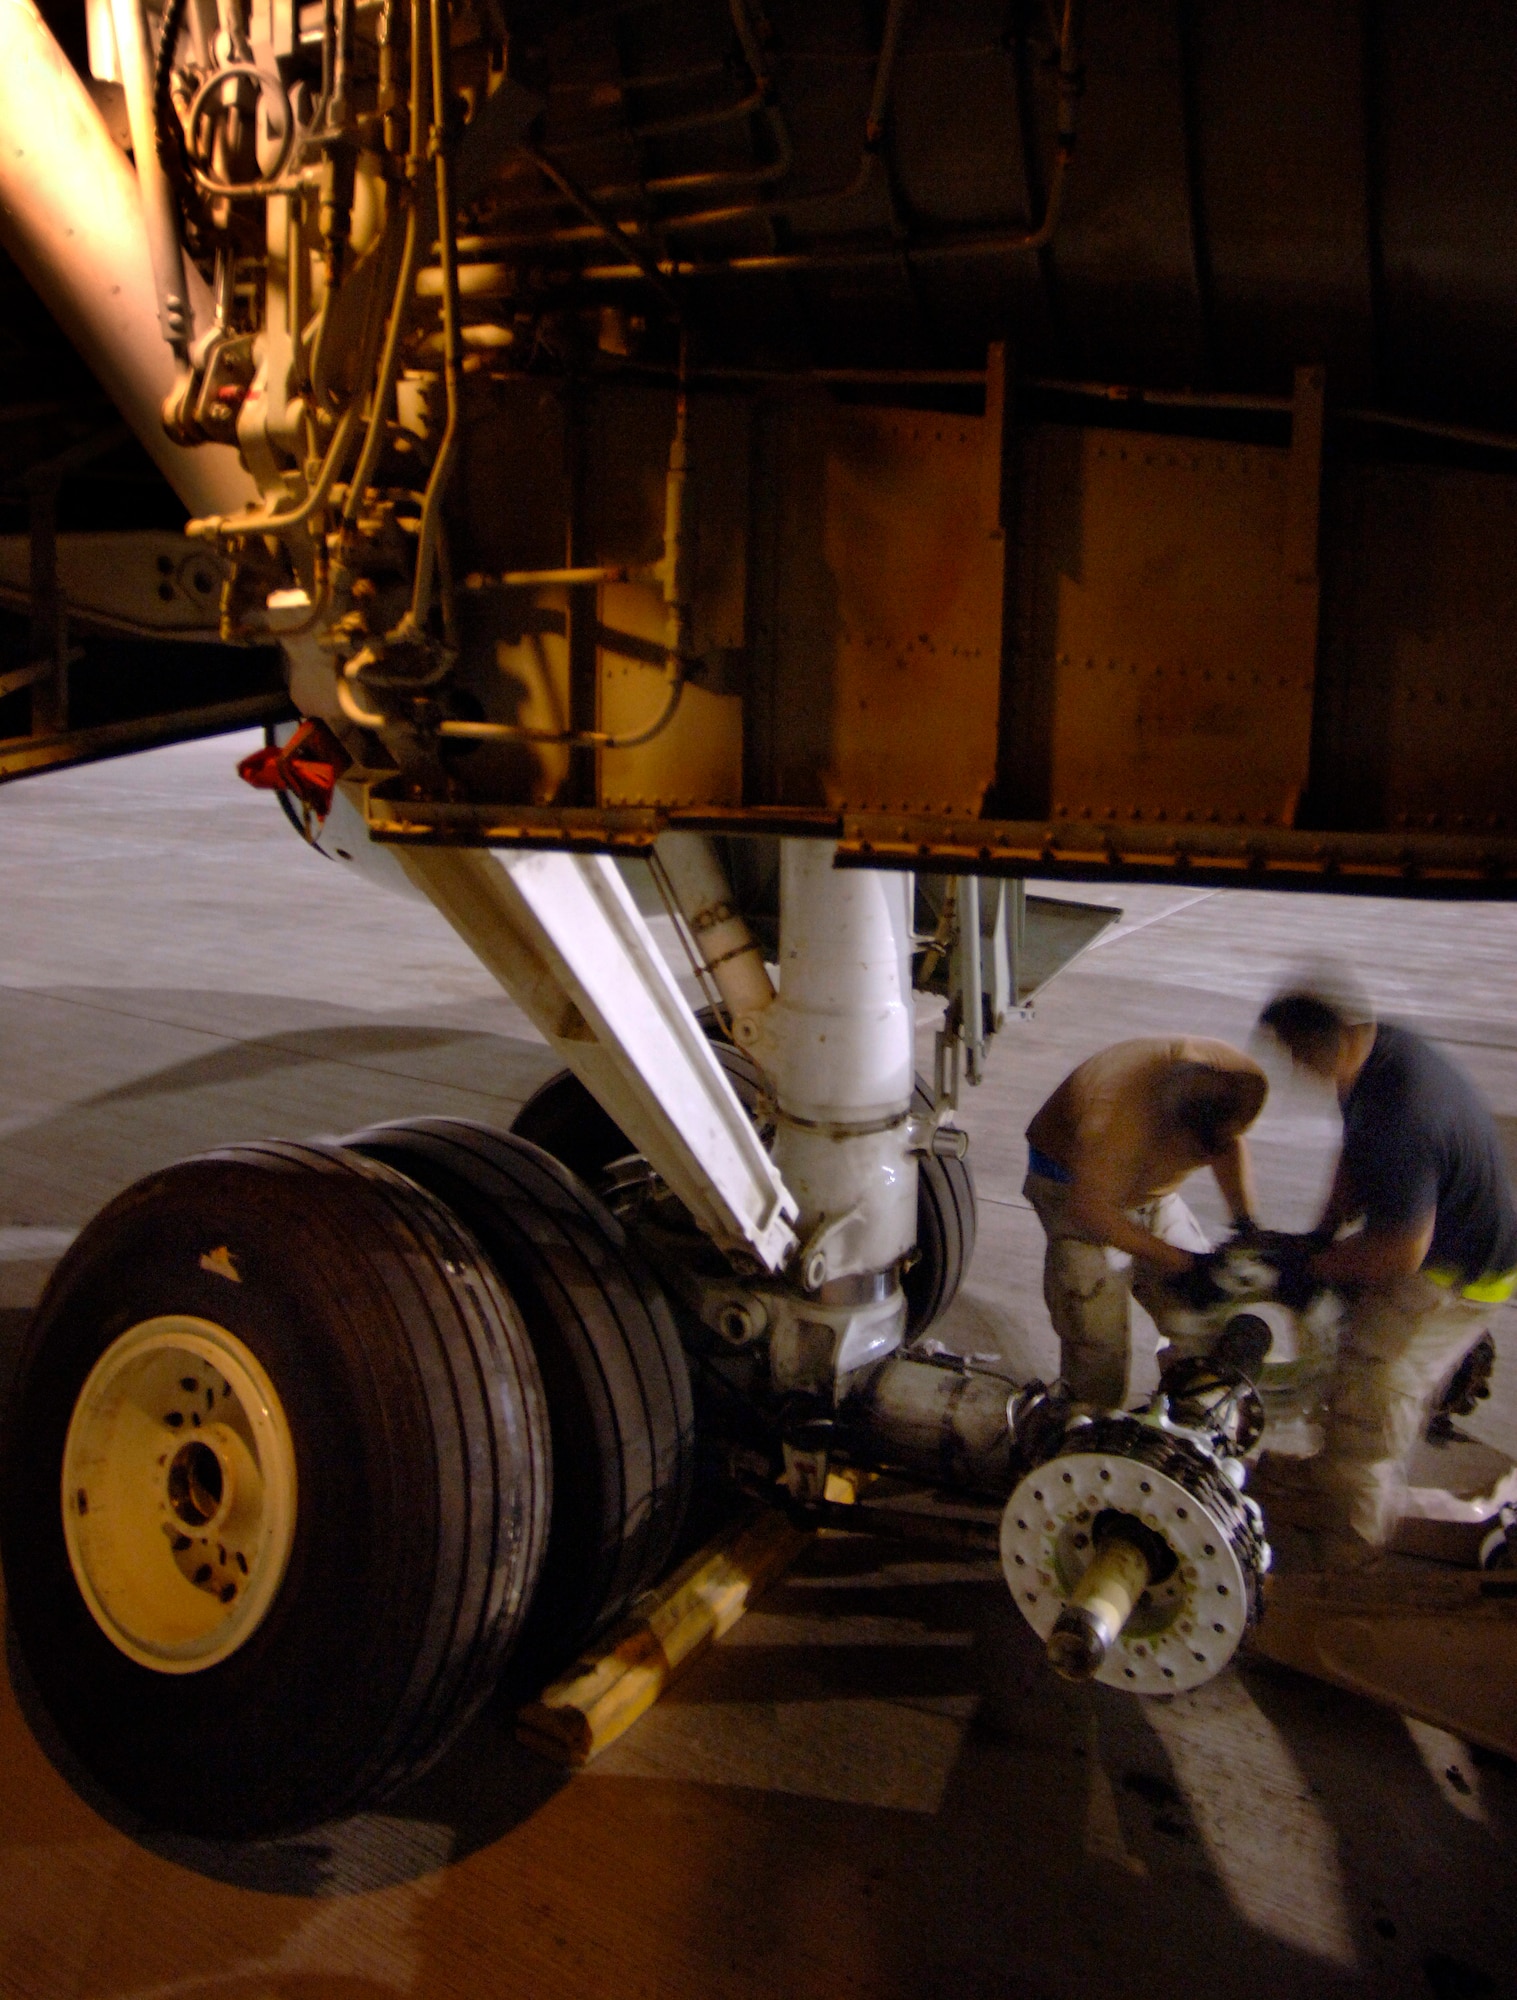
x=178 y=1493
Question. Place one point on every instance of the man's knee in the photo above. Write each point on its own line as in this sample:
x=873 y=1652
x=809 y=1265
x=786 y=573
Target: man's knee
x=1088 y=1302
x=1082 y=1271
x=1397 y=1353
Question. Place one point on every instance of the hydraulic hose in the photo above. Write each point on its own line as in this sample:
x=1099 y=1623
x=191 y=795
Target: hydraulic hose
x=589 y=739
x=255 y=521
x=447 y=239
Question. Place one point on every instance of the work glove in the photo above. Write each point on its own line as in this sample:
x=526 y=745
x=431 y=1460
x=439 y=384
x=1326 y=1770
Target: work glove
x=1270 y=1264
x=1253 y=1266
x=1295 y=1287
x=1197 y=1287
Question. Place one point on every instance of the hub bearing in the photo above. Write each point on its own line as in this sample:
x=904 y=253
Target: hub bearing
x=1127 y=1477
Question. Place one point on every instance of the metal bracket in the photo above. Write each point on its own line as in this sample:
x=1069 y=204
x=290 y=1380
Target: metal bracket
x=945 y=1070
x=813 y=1260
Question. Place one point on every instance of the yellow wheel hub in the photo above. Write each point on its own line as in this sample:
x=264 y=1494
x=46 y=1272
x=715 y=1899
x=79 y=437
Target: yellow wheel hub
x=178 y=1493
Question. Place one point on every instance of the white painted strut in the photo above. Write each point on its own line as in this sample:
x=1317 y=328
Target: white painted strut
x=71 y=216
x=563 y=936
x=839 y=1045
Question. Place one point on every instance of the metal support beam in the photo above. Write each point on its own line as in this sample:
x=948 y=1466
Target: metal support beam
x=838 y=1044
x=23 y=756
x=71 y=216
x=969 y=977
x=563 y=936
x=46 y=670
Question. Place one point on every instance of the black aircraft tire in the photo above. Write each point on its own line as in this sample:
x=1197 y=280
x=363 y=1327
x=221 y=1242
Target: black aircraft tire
x=946 y=1221
x=617 y=1384
x=413 y=1432
x=564 y=1119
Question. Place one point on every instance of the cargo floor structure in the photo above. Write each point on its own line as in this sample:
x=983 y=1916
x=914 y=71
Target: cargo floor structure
x=872 y=1787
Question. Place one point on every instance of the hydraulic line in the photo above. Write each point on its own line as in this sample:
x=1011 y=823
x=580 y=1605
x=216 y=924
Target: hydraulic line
x=200 y=107
x=213 y=526
x=1071 y=88
x=389 y=95
x=647 y=266
x=589 y=739
x=735 y=177
x=332 y=122
x=879 y=102
x=692 y=121
x=328 y=58
x=389 y=364
x=676 y=563
x=666 y=184
x=672 y=571
x=347 y=700
x=526 y=579
x=775 y=169
x=447 y=235
x=336 y=108
x=258 y=522
x=591 y=203
x=404 y=286
x=988 y=243
x=168 y=132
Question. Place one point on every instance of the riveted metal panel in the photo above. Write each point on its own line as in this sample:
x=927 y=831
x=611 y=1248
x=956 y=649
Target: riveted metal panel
x=698 y=758
x=1420 y=633
x=1165 y=618
x=887 y=609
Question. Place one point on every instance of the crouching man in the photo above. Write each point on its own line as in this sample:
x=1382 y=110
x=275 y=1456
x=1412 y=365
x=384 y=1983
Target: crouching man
x=1423 y=1176
x=1106 y=1154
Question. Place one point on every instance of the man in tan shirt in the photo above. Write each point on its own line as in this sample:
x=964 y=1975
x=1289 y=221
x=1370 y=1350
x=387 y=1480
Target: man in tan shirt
x=1106 y=1154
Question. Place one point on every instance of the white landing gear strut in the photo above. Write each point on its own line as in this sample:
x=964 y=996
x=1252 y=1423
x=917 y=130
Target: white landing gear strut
x=563 y=936
x=838 y=1045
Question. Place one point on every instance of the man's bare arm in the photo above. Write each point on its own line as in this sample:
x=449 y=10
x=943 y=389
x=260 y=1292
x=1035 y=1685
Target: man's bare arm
x=1339 y=1206
x=1234 y=1173
x=1093 y=1210
x=1375 y=1256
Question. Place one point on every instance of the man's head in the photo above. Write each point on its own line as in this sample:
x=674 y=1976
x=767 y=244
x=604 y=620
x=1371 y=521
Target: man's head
x=1212 y=1106
x=1326 y=1026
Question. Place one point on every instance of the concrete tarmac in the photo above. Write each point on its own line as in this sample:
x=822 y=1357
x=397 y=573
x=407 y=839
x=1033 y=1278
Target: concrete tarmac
x=872 y=1788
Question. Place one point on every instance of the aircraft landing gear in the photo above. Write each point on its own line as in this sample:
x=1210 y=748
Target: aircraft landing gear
x=306 y=1422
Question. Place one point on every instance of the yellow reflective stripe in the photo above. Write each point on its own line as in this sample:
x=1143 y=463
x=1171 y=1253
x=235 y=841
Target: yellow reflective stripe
x=1493 y=1290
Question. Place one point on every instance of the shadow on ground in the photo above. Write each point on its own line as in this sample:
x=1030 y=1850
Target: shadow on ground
x=1037 y=1839
x=322 y=1079
x=486 y=1785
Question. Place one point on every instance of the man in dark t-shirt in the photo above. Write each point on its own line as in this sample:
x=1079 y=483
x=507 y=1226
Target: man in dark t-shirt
x=1422 y=1171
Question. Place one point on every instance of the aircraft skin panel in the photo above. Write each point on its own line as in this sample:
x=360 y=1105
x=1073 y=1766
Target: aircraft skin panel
x=1079 y=448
